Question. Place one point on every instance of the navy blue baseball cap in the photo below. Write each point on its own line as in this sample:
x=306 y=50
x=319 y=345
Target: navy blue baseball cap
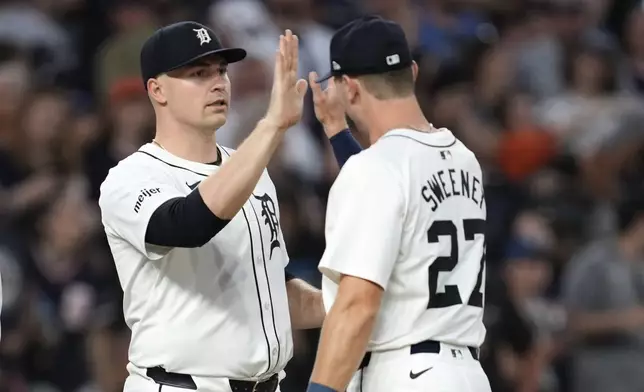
x=180 y=44
x=368 y=45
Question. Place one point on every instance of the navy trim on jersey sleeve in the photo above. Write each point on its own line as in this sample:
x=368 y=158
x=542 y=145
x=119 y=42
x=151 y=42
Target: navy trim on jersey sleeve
x=344 y=146
x=289 y=276
x=183 y=222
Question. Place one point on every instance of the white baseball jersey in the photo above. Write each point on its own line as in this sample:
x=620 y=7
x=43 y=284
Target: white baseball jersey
x=408 y=214
x=216 y=311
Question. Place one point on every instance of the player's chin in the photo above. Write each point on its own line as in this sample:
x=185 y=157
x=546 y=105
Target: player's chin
x=215 y=120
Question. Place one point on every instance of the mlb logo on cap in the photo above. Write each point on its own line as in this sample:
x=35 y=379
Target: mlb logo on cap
x=369 y=45
x=393 y=59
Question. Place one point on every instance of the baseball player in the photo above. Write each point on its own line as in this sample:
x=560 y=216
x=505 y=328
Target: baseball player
x=404 y=265
x=194 y=227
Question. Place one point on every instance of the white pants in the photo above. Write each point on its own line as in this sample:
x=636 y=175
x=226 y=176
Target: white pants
x=137 y=381
x=453 y=369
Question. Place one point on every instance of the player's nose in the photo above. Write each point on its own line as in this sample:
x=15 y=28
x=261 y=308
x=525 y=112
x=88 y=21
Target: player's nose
x=218 y=86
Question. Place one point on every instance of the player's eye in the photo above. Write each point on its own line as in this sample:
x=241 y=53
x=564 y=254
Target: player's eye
x=199 y=73
x=222 y=71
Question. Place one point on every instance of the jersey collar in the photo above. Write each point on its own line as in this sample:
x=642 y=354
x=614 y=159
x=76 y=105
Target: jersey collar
x=173 y=160
x=442 y=138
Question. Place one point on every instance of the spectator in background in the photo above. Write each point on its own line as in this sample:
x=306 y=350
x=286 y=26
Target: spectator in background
x=633 y=73
x=523 y=321
x=403 y=12
x=556 y=27
x=15 y=85
x=132 y=22
x=14 y=302
x=604 y=293
x=510 y=339
x=63 y=280
x=30 y=25
x=130 y=124
x=596 y=123
x=525 y=148
x=33 y=157
x=46 y=120
x=589 y=106
x=447 y=26
x=62 y=296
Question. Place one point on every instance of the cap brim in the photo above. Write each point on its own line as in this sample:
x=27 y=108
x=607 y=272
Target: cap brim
x=325 y=78
x=230 y=55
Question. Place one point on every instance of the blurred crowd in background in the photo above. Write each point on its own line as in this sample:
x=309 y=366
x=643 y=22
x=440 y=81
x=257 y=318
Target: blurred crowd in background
x=547 y=93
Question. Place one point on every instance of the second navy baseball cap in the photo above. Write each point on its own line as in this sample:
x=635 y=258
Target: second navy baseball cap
x=180 y=44
x=368 y=45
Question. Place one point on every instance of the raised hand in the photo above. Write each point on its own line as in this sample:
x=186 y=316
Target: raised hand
x=328 y=106
x=287 y=95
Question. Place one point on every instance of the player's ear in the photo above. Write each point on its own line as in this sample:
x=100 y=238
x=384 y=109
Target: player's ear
x=352 y=88
x=414 y=69
x=156 y=91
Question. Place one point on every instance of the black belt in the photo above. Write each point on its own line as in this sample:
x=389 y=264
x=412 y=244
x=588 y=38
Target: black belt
x=185 y=381
x=427 y=347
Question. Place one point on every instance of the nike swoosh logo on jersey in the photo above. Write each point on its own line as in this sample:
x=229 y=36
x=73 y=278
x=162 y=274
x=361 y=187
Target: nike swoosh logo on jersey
x=193 y=186
x=414 y=376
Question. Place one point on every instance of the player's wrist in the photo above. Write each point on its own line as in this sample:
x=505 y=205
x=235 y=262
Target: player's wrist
x=333 y=129
x=341 y=134
x=315 y=387
x=273 y=124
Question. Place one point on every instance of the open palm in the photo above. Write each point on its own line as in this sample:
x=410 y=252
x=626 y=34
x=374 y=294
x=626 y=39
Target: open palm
x=287 y=95
x=329 y=109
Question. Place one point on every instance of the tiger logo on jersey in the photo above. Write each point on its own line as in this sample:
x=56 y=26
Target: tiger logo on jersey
x=270 y=219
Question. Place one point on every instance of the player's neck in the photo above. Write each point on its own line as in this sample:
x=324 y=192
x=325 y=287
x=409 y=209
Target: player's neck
x=189 y=144
x=396 y=113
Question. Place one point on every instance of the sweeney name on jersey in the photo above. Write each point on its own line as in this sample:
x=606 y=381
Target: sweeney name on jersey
x=455 y=196
x=462 y=184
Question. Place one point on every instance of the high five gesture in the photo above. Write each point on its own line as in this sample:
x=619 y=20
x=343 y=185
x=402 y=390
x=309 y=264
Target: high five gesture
x=287 y=95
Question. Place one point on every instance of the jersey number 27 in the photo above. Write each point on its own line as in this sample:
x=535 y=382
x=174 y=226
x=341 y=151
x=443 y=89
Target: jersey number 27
x=452 y=296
